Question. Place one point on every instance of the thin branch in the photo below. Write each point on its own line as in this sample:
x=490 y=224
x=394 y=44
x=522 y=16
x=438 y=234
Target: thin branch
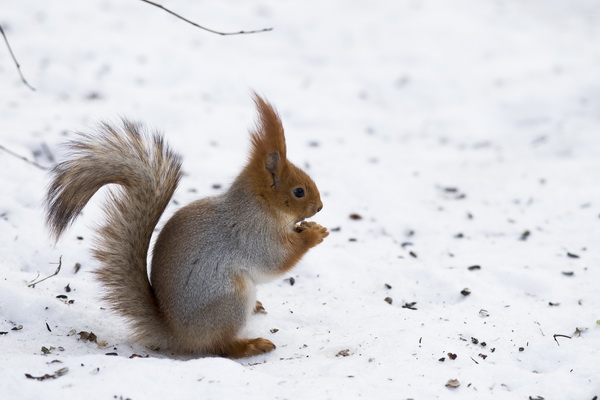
x=12 y=153
x=559 y=335
x=205 y=28
x=32 y=285
x=15 y=60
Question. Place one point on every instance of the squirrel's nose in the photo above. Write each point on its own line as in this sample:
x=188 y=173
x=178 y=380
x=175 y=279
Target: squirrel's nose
x=320 y=207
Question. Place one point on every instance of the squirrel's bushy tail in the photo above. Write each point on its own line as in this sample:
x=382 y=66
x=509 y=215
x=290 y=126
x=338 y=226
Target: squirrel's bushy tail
x=148 y=173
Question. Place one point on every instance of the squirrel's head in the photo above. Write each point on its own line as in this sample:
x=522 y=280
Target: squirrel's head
x=285 y=188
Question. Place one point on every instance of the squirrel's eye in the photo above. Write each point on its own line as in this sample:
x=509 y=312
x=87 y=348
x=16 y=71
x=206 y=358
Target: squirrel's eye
x=299 y=192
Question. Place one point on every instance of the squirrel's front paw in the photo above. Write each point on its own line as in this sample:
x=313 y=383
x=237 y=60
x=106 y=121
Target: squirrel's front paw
x=312 y=232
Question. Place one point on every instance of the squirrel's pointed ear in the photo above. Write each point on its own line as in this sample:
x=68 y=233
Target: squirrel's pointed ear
x=268 y=135
x=273 y=165
x=268 y=154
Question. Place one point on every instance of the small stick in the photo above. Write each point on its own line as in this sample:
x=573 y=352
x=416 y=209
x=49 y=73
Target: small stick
x=202 y=27
x=559 y=335
x=32 y=285
x=15 y=60
x=12 y=153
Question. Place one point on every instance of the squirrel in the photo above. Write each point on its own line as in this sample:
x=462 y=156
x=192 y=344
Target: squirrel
x=210 y=255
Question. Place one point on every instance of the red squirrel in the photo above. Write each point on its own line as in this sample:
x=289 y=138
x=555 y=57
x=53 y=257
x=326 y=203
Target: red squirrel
x=210 y=255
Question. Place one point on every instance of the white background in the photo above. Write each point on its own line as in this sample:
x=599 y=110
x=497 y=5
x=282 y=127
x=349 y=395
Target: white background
x=388 y=105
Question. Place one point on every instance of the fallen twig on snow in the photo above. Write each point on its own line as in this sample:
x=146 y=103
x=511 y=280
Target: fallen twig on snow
x=559 y=335
x=15 y=60
x=32 y=285
x=55 y=375
x=28 y=161
x=203 y=27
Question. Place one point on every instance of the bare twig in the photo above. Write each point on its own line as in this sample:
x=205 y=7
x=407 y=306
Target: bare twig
x=15 y=60
x=12 y=153
x=32 y=285
x=55 y=375
x=559 y=335
x=205 y=28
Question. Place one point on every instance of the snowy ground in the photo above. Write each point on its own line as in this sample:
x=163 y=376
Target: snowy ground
x=464 y=133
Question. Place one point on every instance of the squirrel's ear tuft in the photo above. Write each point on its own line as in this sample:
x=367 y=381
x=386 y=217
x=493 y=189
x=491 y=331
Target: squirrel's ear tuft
x=267 y=135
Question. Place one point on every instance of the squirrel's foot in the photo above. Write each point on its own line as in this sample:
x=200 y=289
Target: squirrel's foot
x=259 y=308
x=248 y=347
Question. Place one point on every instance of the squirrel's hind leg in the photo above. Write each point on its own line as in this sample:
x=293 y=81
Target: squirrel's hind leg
x=239 y=348
x=227 y=344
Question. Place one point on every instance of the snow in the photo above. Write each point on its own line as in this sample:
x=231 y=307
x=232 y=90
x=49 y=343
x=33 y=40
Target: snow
x=451 y=128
